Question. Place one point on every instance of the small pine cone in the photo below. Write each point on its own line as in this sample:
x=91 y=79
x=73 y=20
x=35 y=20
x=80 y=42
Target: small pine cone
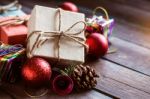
x=84 y=77
x=77 y=72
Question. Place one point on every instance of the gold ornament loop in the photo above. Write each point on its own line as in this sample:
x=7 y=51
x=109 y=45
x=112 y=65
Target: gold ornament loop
x=103 y=9
x=37 y=96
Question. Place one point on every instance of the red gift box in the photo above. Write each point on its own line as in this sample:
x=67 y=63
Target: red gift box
x=13 y=33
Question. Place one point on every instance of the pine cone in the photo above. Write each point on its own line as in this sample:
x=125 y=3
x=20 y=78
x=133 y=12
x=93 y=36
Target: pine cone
x=84 y=77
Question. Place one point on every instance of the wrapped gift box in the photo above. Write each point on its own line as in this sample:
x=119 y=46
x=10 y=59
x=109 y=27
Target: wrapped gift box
x=10 y=63
x=11 y=9
x=12 y=34
x=17 y=12
x=104 y=25
x=46 y=20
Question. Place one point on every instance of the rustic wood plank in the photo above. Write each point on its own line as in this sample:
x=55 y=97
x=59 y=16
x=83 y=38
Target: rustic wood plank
x=130 y=55
x=124 y=75
x=120 y=81
x=121 y=90
x=18 y=93
x=132 y=33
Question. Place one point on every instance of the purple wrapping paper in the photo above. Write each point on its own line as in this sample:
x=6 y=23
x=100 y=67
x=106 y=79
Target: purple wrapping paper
x=107 y=25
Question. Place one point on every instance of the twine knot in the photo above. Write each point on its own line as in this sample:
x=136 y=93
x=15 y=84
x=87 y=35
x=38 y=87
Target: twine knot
x=61 y=33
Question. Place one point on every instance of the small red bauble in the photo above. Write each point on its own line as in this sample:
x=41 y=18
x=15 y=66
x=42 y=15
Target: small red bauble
x=62 y=85
x=98 y=45
x=36 y=72
x=69 y=6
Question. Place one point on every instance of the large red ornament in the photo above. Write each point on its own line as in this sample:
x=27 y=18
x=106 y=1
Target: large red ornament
x=98 y=45
x=69 y=6
x=36 y=72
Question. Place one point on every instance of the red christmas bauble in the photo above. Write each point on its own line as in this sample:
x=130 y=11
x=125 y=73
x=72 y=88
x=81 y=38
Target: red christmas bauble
x=62 y=85
x=36 y=72
x=98 y=45
x=69 y=6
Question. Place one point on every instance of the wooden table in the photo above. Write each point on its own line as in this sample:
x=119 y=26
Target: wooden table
x=124 y=74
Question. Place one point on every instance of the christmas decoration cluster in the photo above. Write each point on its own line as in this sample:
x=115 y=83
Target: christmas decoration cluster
x=53 y=50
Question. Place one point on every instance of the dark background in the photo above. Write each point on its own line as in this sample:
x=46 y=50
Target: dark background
x=136 y=11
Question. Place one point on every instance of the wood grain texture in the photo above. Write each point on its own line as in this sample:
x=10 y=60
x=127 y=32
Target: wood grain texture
x=121 y=90
x=130 y=55
x=132 y=33
x=120 y=81
x=17 y=91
